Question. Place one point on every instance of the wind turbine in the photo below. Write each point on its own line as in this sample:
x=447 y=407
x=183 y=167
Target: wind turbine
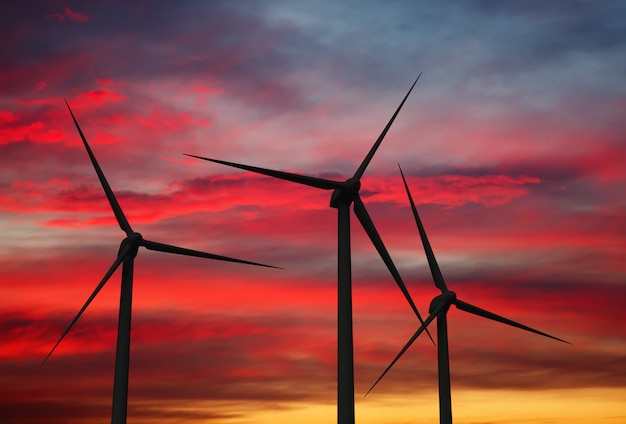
x=126 y=256
x=344 y=194
x=439 y=307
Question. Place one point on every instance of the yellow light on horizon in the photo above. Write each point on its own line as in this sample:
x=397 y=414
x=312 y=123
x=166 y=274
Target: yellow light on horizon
x=563 y=406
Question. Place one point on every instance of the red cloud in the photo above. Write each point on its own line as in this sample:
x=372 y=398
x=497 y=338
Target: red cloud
x=37 y=131
x=99 y=96
x=453 y=190
x=76 y=16
x=80 y=17
x=91 y=98
x=41 y=85
x=7 y=117
x=164 y=120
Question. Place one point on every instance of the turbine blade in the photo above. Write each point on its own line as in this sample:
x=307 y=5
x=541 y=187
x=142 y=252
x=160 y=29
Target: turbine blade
x=419 y=331
x=296 y=178
x=432 y=262
x=106 y=277
x=117 y=210
x=370 y=229
x=464 y=306
x=359 y=172
x=167 y=248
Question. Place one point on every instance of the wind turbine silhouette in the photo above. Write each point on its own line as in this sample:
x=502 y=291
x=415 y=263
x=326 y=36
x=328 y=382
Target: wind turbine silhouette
x=344 y=194
x=126 y=255
x=439 y=307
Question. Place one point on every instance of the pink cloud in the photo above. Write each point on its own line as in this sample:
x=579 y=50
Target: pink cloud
x=207 y=90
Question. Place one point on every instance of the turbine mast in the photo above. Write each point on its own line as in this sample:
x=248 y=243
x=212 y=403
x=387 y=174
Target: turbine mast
x=122 y=352
x=345 y=344
x=445 y=399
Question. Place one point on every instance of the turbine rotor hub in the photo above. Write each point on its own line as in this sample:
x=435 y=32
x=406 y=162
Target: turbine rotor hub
x=133 y=241
x=447 y=298
x=346 y=193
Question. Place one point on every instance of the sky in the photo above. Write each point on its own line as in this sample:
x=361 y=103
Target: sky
x=513 y=143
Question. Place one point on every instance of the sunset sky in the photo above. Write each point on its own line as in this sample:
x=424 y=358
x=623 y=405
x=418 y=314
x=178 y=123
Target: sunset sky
x=514 y=147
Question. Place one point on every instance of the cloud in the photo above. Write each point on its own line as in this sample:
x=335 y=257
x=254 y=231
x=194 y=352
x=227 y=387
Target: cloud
x=79 y=17
x=76 y=16
x=41 y=85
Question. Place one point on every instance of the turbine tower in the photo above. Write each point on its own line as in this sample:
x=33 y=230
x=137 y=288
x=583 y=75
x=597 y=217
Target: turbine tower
x=438 y=309
x=345 y=193
x=126 y=256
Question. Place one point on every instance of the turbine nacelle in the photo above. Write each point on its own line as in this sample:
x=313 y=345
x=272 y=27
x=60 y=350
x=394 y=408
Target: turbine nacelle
x=132 y=243
x=345 y=193
x=443 y=301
